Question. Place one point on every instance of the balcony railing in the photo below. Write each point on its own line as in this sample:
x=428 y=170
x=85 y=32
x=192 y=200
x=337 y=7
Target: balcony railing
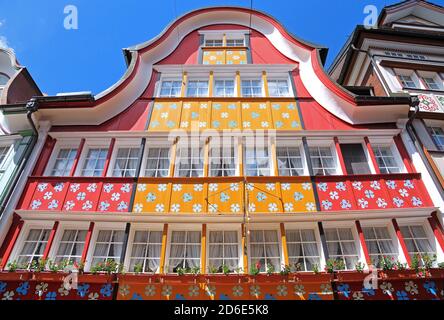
x=228 y=196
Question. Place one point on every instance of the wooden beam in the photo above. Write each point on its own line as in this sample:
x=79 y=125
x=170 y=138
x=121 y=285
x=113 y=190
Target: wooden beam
x=437 y=230
x=108 y=157
x=211 y=85
x=363 y=244
x=164 y=249
x=340 y=156
x=404 y=154
x=50 y=241
x=87 y=242
x=402 y=242
x=265 y=84
x=77 y=158
x=184 y=84
x=203 y=261
x=238 y=85
x=284 y=244
x=372 y=155
x=244 y=249
x=10 y=240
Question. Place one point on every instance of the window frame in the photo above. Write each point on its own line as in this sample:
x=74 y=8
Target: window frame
x=123 y=144
x=271 y=161
x=395 y=153
x=189 y=146
x=225 y=79
x=198 y=80
x=266 y=227
x=282 y=143
x=250 y=79
x=431 y=129
x=169 y=79
x=289 y=86
x=153 y=144
x=91 y=144
x=60 y=145
x=235 y=158
x=225 y=228
x=332 y=147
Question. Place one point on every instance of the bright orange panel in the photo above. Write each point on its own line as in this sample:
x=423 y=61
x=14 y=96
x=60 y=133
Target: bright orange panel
x=188 y=198
x=256 y=116
x=298 y=197
x=213 y=57
x=236 y=56
x=286 y=116
x=152 y=198
x=225 y=198
x=264 y=198
x=165 y=116
x=195 y=115
x=225 y=115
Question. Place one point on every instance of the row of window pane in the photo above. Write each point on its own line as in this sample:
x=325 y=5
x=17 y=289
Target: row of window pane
x=429 y=82
x=220 y=43
x=224 y=247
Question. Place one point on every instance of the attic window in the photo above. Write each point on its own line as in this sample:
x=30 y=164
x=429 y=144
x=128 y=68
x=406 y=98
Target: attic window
x=235 y=42
x=3 y=79
x=214 y=43
x=407 y=55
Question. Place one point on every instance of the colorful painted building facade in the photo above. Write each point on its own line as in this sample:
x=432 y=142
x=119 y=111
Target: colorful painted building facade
x=224 y=165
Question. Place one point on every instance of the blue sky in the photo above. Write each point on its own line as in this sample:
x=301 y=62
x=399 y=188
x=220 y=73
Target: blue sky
x=91 y=59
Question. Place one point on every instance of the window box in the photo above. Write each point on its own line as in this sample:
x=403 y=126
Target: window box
x=15 y=276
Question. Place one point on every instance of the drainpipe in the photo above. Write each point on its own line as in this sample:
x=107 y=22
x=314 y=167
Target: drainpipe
x=31 y=107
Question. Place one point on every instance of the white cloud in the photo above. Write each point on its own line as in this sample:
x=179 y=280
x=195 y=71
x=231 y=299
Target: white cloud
x=2 y=23
x=4 y=43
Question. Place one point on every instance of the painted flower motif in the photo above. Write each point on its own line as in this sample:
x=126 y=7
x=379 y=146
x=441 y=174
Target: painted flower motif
x=310 y=206
x=286 y=116
x=409 y=184
x=21 y=290
x=193 y=291
x=162 y=187
x=341 y=186
x=92 y=187
x=262 y=106
x=36 y=204
x=411 y=287
x=87 y=205
x=63 y=292
x=265 y=124
x=42 y=187
x=252 y=207
x=175 y=208
x=8 y=296
x=327 y=205
x=326 y=288
x=81 y=196
x=123 y=206
x=299 y=290
x=48 y=196
x=345 y=204
x=54 y=204
x=59 y=187
x=381 y=203
x=402 y=295
x=210 y=291
x=279 y=124
x=187 y=105
x=273 y=207
x=160 y=208
x=138 y=208
x=255 y=290
x=151 y=197
x=245 y=106
x=115 y=197
x=184 y=124
x=224 y=197
x=164 y=115
x=289 y=207
x=261 y=197
x=41 y=288
x=106 y=290
x=202 y=124
x=124 y=290
x=104 y=206
x=213 y=208
x=391 y=184
x=363 y=203
x=282 y=291
x=386 y=287
x=74 y=187
x=224 y=115
x=298 y=196
x=234 y=187
x=369 y=194
x=430 y=286
x=235 y=208
x=204 y=106
x=108 y=187
x=398 y=202
x=271 y=186
x=416 y=202
x=69 y=205
x=238 y=291
x=167 y=291
x=197 y=208
x=93 y=296
x=323 y=187
x=150 y=291
x=3 y=286
x=358 y=296
x=334 y=195
x=375 y=185
x=250 y=186
x=247 y=124
x=198 y=187
x=357 y=185
x=306 y=186
x=403 y=193
x=314 y=297
x=286 y=186
x=126 y=188
x=83 y=289
x=213 y=187
x=187 y=197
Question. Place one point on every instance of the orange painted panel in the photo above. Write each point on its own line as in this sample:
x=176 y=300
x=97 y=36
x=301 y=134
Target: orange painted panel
x=225 y=116
x=286 y=116
x=225 y=198
x=256 y=116
x=165 y=116
x=188 y=198
x=264 y=198
x=236 y=56
x=298 y=197
x=195 y=116
x=214 y=57
x=152 y=198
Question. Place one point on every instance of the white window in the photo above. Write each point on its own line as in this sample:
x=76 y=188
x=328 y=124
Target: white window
x=71 y=246
x=126 y=161
x=185 y=250
x=189 y=162
x=222 y=162
x=323 y=161
x=214 y=43
x=235 y=42
x=438 y=137
x=145 y=253
x=3 y=79
x=33 y=247
x=431 y=84
x=197 y=88
x=257 y=162
x=380 y=244
x=4 y=152
x=158 y=163
x=417 y=242
x=64 y=162
x=303 y=249
x=170 y=89
x=265 y=249
x=108 y=246
x=407 y=82
x=342 y=246
x=94 y=162
x=278 y=88
x=386 y=159
x=251 y=88
x=290 y=162
x=223 y=250
x=224 y=88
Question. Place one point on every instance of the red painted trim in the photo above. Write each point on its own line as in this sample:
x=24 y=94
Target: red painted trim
x=27 y=194
x=50 y=240
x=45 y=155
x=87 y=242
x=372 y=155
x=435 y=224
x=363 y=243
x=108 y=157
x=404 y=154
x=402 y=242
x=340 y=156
x=11 y=240
x=435 y=215
x=76 y=160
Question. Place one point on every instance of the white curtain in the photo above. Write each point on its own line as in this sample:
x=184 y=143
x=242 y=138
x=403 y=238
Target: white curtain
x=177 y=250
x=272 y=250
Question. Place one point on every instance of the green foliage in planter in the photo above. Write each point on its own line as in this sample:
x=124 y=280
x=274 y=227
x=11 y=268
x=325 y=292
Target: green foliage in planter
x=441 y=265
x=226 y=270
x=400 y=266
x=213 y=270
x=109 y=267
x=334 y=265
x=138 y=268
x=359 y=267
x=428 y=261
x=38 y=265
x=270 y=269
x=13 y=266
x=286 y=270
x=316 y=268
x=57 y=267
x=388 y=264
x=254 y=271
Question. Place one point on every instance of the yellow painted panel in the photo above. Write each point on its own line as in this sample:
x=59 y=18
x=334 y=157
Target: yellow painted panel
x=298 y=197
x=225 y=115
x=165 y=116
x=236 y=56
x=195 y=115
x=264 y=198
x=286 y=116
x=152 y=198
x=213 y=57
x=188 y=198
x=225 y=198
x=256 y=116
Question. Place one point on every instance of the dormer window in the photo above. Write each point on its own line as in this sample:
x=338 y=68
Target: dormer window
x=3 y=79
x=214 y=43
x=235 y=43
